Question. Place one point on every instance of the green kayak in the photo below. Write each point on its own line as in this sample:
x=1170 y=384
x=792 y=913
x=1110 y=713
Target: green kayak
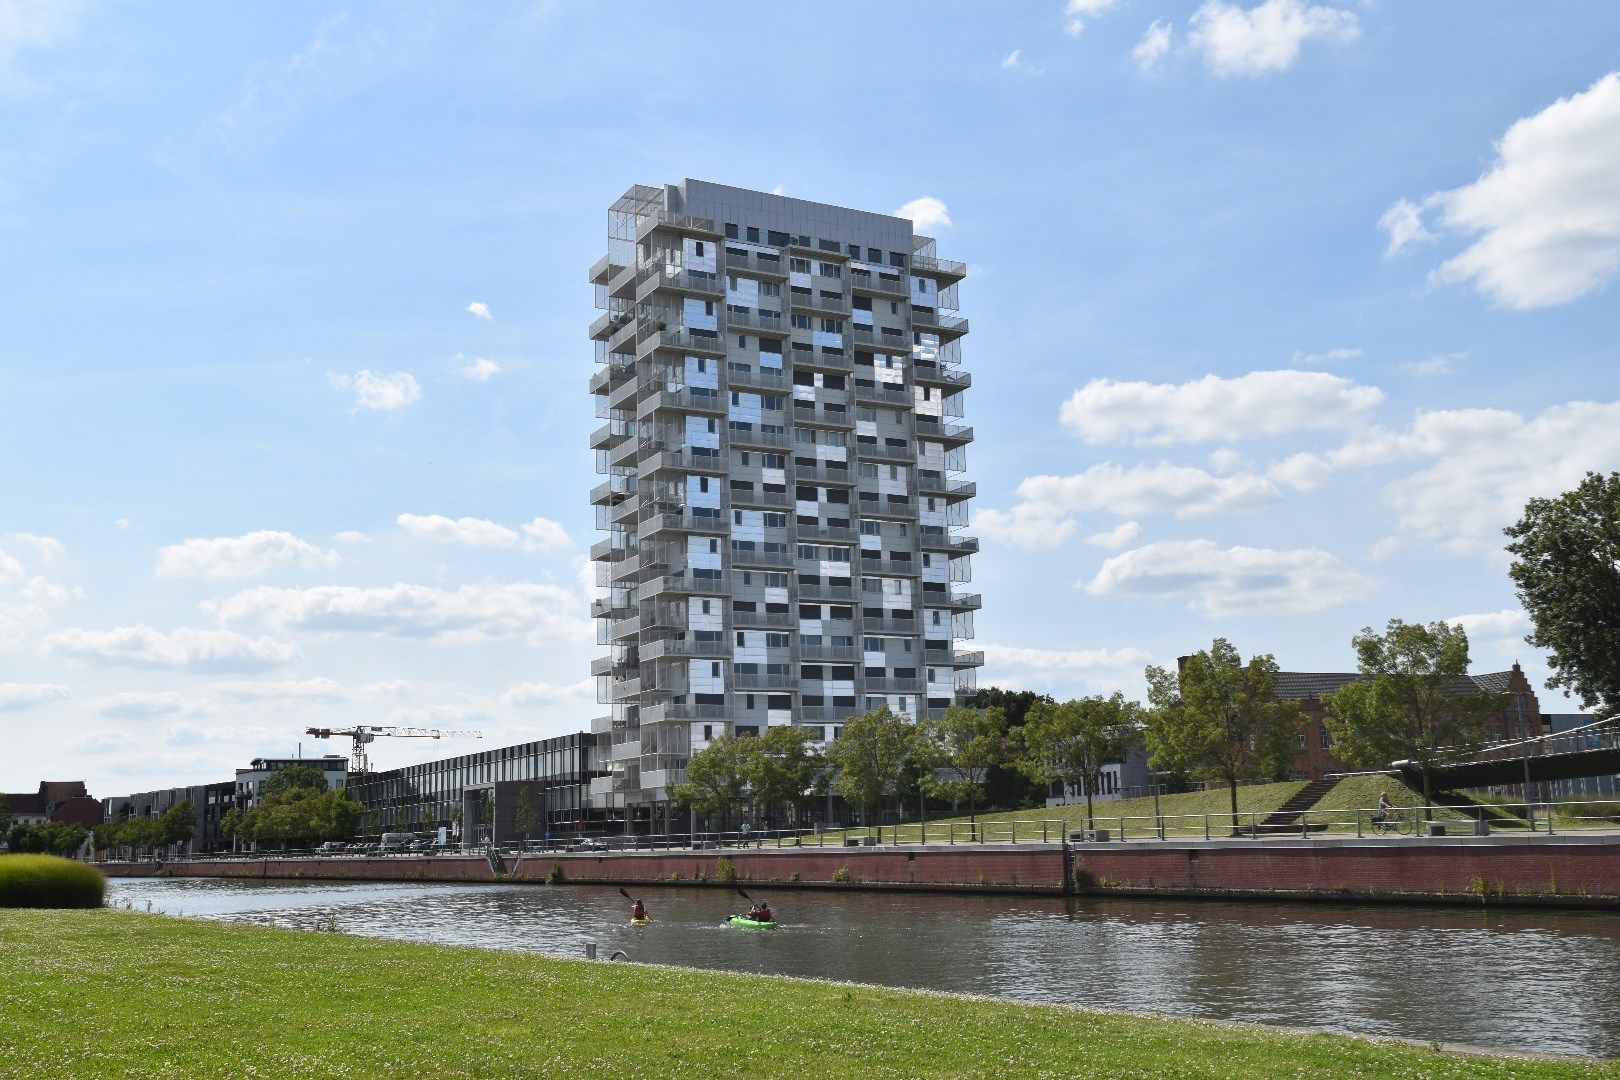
x=750 y=924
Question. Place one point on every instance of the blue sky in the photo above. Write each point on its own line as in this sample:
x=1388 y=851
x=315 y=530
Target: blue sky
x=1279 y=313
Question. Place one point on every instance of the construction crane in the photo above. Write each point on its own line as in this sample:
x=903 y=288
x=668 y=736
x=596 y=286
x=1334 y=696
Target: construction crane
x=362 y=734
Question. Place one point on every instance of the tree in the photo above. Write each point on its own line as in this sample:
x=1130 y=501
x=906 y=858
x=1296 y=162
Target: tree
x=1005 y=784
x=1072 y=741
x=525 y=819
x=5 y=816
x=178 y=823
x=1413 y=701
x=960 y=748
x=300 y=814
x=1218 y=719
x=715 y=778
x=871 y=757
x=781 y=768
x=1567 y=571
x=293 y=778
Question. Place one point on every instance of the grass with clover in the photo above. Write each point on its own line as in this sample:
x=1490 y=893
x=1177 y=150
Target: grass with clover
x=109 y=993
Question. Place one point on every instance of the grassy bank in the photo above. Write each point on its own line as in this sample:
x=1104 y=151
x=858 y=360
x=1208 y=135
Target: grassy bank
x=107 y=993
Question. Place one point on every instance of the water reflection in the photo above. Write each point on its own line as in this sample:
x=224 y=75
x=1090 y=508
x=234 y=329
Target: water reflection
x=1532 y=981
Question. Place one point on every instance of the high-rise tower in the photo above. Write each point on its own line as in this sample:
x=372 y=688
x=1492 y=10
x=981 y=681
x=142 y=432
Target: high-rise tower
x=781 y=386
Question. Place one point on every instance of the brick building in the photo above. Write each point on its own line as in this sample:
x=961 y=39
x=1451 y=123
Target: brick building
x=1520 y=719
x=64 y=801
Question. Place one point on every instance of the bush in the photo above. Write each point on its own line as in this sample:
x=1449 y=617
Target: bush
x=45 y=881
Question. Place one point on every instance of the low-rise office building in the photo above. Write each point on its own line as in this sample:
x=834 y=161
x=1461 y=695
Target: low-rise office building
x=469 y=794
x=334 y=768
x=210 y=803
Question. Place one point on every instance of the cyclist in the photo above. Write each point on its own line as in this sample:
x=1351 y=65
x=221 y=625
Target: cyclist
x=1386 y=811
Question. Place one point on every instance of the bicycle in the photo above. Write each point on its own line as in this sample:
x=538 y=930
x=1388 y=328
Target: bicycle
x=1395 y=822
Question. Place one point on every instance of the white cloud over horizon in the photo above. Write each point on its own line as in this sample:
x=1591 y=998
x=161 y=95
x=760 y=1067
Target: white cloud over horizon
x=187 y=649
x=1231 y=581
x=1257 y=404
x=15 y=697
x=254 y=553
x=478 y=368
x=928 y=212
x=1544 y=217
x=479 y=310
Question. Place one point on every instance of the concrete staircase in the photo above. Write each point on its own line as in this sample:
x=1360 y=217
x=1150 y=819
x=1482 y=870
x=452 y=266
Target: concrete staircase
x=1286 y=817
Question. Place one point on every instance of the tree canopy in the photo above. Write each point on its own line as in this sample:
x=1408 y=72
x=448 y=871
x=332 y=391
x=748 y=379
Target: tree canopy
x=715 y=777
x=1567 y=571
x=781 y=768
x=871 y=756
x=1071 y=741
x=958 y=750
x=1219 y=719
x=1413 y=701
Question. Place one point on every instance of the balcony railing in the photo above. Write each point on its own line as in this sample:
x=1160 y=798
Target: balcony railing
x=664 y=219
x=679 y=280
x=883 y=452
x=765 y=559
x=825 y=653
x=895 y=343
x=754 y=436
x=825 y=532
x=945 y=268
x=757 y=263
x=877 y=283
x=883 y=395
x=768 y=620
x=764 y=378
x=818 y=591
x=777 y=500
x=760 y=681
x=764 y=322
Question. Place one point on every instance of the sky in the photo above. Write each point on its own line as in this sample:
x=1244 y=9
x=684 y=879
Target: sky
x=1280 y=312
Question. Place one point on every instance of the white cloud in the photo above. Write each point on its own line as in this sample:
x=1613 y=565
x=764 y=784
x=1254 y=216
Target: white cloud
x=434 y=715
x=1507 y=623
x=374 y=390
x=15 y=697
x=27 y=597
x=126 y=525
x=1148 y=489
x=1154 y=46
x=240 y=556
x=144 y=705
x=1044 y=518
x=1382 y=549
x=546 y=535
x=1330 y=356
x=471 y=531
x=1065 y=661
x=779 y=189
x=1546 y=214
x=1438 y=364
x=1236 y=580
x=1485 y=464
x=317 y=690
x=1075 y=13
x=179 y=650
x=351 y=536
x=479 y=369
x=1227 y=460
x=927 y=212
x=25 y=26
x=544 y=693
x=45 y=549
x=1264 y=38
x=479 y=310
x=1122 y=535
x=1404 y=223
x=540 y=612
x=1259 y=403
x=1013 y=62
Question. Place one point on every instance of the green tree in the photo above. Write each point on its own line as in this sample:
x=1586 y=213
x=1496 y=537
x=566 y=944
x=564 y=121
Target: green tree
x=781 y=768
x=300 y=815
x=1070 y=742
x=1007 y=785
x=178 y=823
x=293 y=778
x=1567 y=570
x=525 y=819
x=5 y=816
x=871 y=757
x=716 y=778
x=1218 y=719
x=959 y=748
x=1413 y=701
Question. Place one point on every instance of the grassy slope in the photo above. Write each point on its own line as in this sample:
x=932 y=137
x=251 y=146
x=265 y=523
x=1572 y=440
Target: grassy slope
x=107 y=993
x=1252 y=798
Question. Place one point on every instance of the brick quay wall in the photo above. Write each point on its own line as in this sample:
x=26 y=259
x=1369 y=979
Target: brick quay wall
x=1577 y=871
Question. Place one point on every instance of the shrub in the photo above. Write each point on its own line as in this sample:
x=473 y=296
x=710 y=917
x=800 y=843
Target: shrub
x=46 y=881
x=555 y=875
x=841 y=874
x=725 y=869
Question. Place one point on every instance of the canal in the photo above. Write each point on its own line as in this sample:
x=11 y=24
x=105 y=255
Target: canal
x=1526 y=980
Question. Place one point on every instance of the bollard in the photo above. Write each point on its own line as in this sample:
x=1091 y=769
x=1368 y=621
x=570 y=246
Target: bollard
x=590 y=950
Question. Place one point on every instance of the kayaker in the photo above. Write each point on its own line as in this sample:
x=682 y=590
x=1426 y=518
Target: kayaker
x=638 y=911
x=760 y=912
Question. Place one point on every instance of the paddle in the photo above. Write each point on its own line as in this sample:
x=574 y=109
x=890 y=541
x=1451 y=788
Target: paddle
x=623 y=893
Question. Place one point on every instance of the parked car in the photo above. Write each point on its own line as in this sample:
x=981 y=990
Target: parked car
x=332 y=847
x=588 y=843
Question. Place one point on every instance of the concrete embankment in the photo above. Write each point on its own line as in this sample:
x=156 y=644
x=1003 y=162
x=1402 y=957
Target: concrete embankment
x=1530 y=870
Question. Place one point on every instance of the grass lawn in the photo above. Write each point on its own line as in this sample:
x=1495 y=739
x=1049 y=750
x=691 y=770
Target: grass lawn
x=107 y=993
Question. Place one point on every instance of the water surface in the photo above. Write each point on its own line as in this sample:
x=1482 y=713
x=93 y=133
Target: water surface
x=1528 y=981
